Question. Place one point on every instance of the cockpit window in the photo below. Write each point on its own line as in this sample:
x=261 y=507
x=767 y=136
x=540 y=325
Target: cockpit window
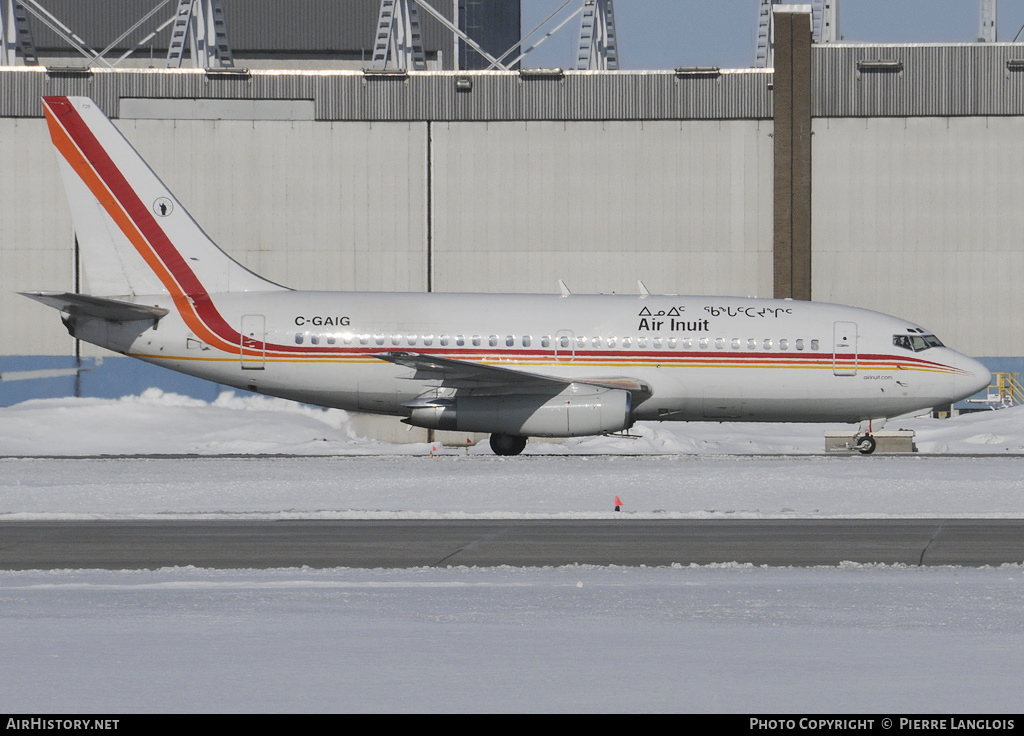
x=916 y=343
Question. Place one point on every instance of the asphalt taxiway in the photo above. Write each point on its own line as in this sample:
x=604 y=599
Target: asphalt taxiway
x=247 y=544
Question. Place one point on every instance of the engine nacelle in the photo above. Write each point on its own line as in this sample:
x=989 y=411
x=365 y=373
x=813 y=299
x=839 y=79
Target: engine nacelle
x=578 y=411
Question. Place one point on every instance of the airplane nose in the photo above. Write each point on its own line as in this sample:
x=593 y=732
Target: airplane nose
x=971 y=377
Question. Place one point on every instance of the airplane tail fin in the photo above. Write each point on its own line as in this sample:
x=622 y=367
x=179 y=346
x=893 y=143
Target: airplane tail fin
x=134 y=235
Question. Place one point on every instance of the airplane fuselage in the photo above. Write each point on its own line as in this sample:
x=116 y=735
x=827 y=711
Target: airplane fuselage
x=510 y=365
x=703 y=358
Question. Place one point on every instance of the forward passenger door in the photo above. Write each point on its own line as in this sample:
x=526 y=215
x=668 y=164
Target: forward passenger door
x=844 y=349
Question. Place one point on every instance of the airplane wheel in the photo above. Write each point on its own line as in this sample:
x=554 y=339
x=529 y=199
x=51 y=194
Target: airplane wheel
x=507 y=444
x=866 y=445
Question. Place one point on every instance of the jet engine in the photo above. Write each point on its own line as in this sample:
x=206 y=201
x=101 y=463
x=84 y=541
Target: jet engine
x=578 y=411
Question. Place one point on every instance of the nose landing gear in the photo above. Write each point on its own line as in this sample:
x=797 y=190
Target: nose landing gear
x=865 y=443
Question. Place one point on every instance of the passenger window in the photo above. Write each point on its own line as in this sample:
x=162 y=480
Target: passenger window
x=719 y=343
x=527 y=341
x=783 y=344
x=477 y=340
x=611 y=342
x=656 y=343
x=314 y=339
x=704 y=342
x=510 y=341
x=596 y=342
x=767 y=343
x=298 y=338
x=751 y=344
x=379 y=339
x=460 y=340
x=545 y=341
x=581 y=342
x=411 y=339
x=563 y=341
x=428 y=339
x=641 y=342
x=735 y=343
x=800 y=344
x=331 y=339
x=627 y=342
x=671 y=343
x=493 y=341
x=396 y=339
x=687 y=343
x=814 y=345
x=444 y=340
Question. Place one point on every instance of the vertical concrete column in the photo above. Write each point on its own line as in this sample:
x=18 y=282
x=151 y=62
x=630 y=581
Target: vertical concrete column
x=792 y=177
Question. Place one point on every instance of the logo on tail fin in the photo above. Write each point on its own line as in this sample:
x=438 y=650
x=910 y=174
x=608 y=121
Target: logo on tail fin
x=163 y=207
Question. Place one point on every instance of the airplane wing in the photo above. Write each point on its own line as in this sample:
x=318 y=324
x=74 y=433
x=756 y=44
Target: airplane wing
x=94 y=306
x=468 y=374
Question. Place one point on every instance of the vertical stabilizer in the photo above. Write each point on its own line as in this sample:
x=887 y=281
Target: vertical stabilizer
x=134 y=235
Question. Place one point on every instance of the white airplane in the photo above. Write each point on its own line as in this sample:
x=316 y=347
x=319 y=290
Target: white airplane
x=513 y=366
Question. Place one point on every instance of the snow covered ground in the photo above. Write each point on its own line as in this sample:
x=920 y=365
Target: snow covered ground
x=706 y=639
x=161 y=423
x=725 y=638
x=699 y=470
x=486 y=487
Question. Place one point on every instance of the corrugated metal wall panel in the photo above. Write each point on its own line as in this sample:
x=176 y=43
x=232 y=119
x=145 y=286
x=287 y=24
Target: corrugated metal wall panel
x=20 y=92
x=583 y=96
x=935 y=80
x=419 y=97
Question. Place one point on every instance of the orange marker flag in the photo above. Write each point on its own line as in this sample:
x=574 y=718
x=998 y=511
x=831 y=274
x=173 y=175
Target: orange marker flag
x=618 y=504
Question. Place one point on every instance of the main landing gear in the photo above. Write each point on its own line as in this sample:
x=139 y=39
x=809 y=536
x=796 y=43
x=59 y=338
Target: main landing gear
x=507 y=444
x=865 y=444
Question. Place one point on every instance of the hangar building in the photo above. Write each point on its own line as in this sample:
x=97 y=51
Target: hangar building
x=902 y=178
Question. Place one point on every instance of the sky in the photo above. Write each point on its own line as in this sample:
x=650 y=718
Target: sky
x=664 y=34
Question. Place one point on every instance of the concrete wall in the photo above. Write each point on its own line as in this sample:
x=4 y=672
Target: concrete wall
x=36 y=238
x=311 y=205
x=685 y=206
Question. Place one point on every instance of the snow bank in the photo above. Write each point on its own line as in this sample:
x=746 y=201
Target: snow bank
x=156 y=422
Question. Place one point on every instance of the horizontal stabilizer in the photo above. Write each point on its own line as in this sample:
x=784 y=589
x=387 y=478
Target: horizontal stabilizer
x=98 y=307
